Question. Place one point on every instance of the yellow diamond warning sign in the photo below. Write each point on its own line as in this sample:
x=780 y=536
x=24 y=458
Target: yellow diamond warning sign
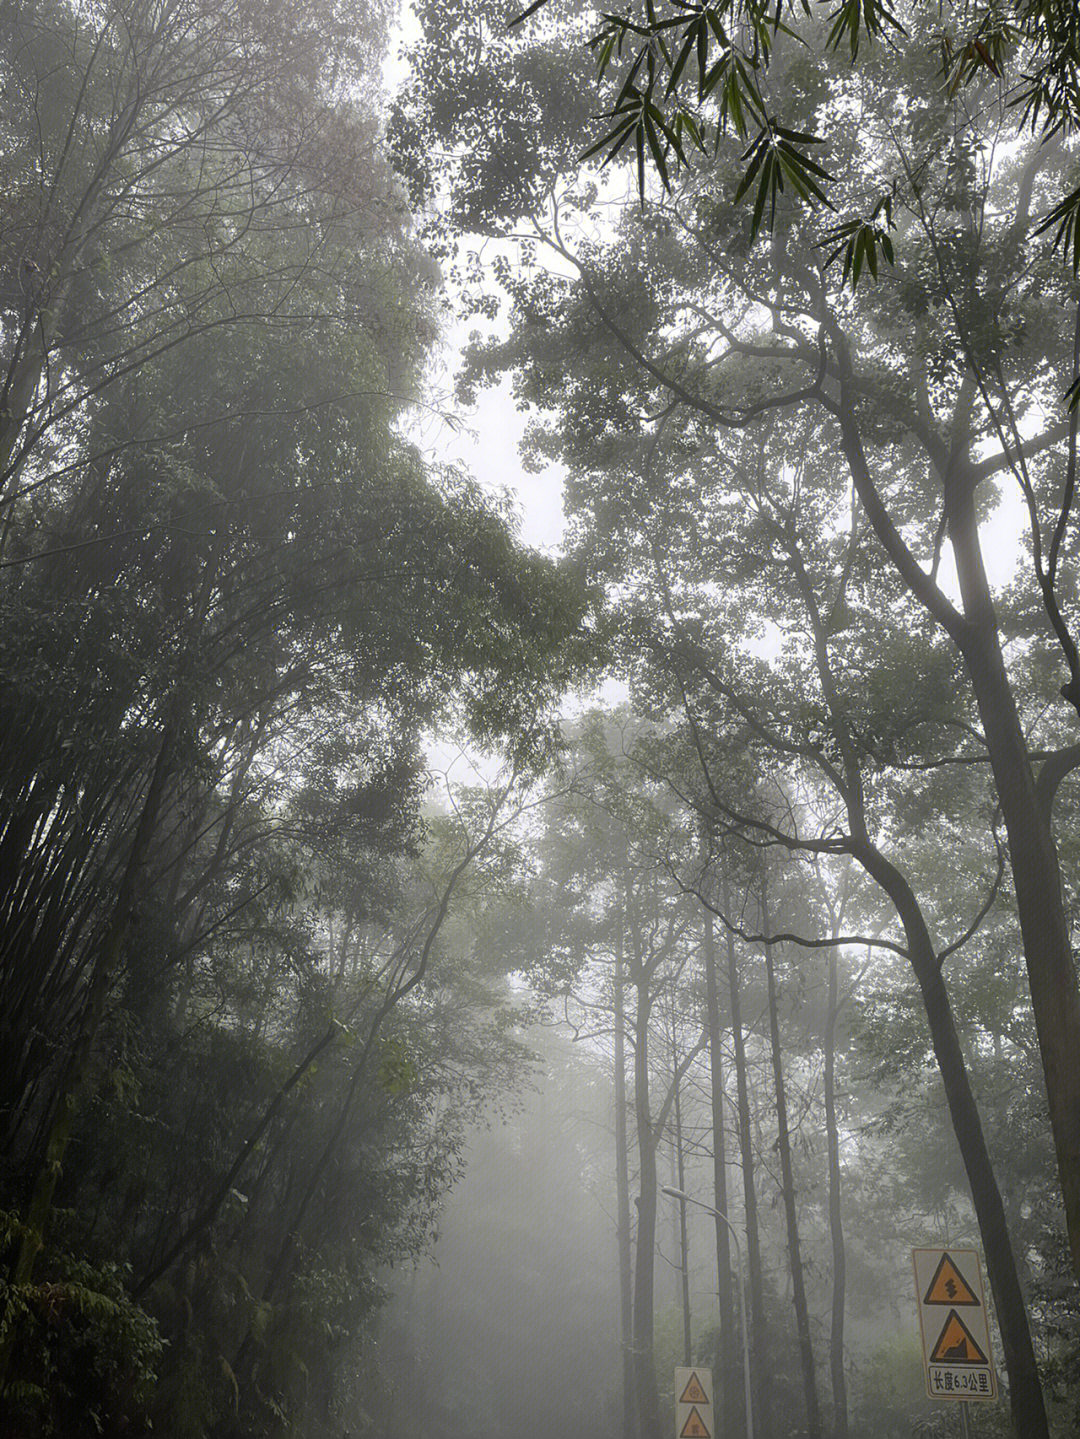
x=955 y=1344
x=695 y=1427
x=954 y=1323
x=948 y=1286
x=693 y=1403
x=693 y=1393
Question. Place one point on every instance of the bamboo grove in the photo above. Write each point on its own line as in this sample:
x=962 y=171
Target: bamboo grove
x=788 y=298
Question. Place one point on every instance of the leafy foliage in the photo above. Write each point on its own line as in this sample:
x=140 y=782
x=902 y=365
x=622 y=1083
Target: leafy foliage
x=89 y=1356
x=235 y=602
x=703 y=67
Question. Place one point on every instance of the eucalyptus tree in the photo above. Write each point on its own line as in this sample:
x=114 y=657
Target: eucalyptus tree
x=931 y=389
x=727 y=1354
x=608 y=873
x=752 y=724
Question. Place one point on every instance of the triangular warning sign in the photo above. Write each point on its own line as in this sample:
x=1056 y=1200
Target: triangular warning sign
x=955 y=1344
x=948 y=1286
x=693 y=1393
x=694 y=1428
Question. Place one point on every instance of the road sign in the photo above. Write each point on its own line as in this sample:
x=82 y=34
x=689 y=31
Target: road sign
x=695 y=1426
x=954 y=1324
x=693 y=1403
x=947 y=1285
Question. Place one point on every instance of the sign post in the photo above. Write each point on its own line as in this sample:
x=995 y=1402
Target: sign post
x=954 y=1326
x=693 y=1403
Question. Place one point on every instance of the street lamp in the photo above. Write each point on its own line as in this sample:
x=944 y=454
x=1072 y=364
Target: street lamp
x=685 y=1198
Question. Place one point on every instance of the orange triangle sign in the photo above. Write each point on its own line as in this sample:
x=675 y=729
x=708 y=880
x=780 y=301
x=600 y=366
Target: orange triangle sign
x=694 y=1428
x=948 y=1286
x=955 y=1344
x=693 y=1393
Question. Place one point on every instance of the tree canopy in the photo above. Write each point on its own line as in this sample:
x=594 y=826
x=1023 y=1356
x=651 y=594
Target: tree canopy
x=678 y=76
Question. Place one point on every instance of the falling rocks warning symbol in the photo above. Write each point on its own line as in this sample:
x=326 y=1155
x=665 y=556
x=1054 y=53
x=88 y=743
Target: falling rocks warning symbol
x=955 y=1344
x=693 y=1393
x=694 y=1428
x=948 y=1285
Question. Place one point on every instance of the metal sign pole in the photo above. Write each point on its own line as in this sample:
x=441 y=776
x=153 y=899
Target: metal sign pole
x=965 y=1430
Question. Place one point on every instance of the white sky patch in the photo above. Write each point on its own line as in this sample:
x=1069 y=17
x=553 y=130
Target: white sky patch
x=485 y=439
x=487 y=444
x=768 y=644
x=1002 y=534
x=404 y=31
x=1001 y=537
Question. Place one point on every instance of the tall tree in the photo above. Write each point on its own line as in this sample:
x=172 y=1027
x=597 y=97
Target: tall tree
x=787 y=1172
x=728 y=1365
x=696 y=322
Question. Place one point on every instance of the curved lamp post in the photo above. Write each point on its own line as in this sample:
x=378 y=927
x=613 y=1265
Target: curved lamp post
x=685 y=1198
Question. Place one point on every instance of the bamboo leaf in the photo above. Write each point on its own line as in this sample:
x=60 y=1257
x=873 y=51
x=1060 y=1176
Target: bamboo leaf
x=655 y=148
x=768 y=181
x=529 y=10
x=689 y=46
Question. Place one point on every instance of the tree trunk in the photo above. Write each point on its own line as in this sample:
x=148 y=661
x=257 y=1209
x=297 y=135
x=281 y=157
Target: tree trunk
x=787 y=1173
x=622 y=1192
x=836 y=1227
x=727 y=1349
x=1052 y=982
x=77 y=1075
x=15 y=405
x=679 y=1158
x=1025 y=1389
x=1051 y=971
x=753 y=1278
x=648 y=1400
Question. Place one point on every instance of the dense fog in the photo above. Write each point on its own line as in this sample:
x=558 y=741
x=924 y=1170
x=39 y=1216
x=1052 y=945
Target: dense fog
x=539 y=682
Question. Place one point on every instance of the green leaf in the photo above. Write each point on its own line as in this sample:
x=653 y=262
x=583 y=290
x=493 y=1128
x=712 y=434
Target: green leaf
x=714 y=75
x=756 y=155
x=685 y=121
x=529 y=10
x=716 y=25
x=767 y=187
x=690 y=44
x=860 y=242
x=604 y=54
x=851 y=18
x=655 y=148
x=616 y=138
x=1066 y=216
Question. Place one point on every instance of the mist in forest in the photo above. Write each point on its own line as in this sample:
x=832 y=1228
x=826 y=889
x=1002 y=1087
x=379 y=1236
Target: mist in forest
x=539 y=675
x=509 y=1325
